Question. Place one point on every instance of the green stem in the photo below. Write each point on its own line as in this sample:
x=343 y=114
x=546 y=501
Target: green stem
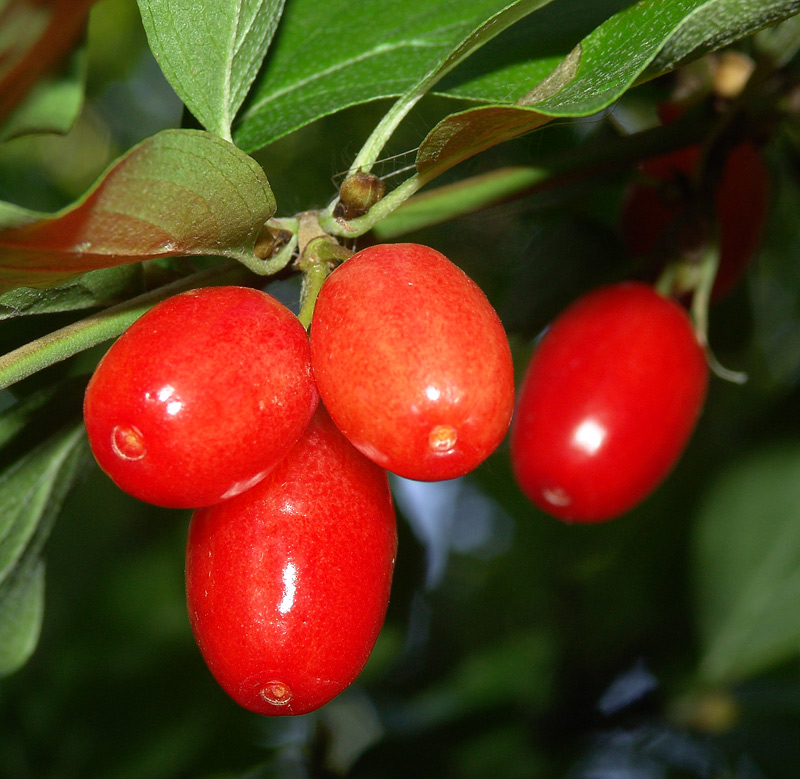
x=374 y=145
x=102 y=326
x=705 y=272
x=363 y=224
x=281 y=259
x=701 y=296
x=313 y=279
x=701 y=302
x=665 y=284
x=587 y=161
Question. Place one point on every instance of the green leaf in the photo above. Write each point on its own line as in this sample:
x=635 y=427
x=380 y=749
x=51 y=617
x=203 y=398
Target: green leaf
x=780 y=42
x=515 y=670
x=482 y=34
x=332 y=54
x=511 y=64
x=21 y=612
x=34 y=37
x=637 y=43
x=648 y=39
x=15 y=216
x=715 y=24
x=31 y=493
x=44 y=409
x=453 y=200
x=96 y=288
x=210 y=52
x=53 y=104
x=181 y=192
x=746 y=561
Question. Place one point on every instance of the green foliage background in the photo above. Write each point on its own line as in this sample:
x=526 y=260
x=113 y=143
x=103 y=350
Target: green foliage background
x=664 y=643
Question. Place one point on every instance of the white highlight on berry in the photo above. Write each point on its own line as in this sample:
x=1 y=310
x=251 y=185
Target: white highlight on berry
x=289 y=588
x=589 y=436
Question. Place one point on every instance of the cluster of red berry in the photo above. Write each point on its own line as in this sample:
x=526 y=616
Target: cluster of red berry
x=211 y=400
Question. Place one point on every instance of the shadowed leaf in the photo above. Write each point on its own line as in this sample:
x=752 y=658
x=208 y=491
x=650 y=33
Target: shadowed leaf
x=31 y=492
x=747 y=567
x=97 y=288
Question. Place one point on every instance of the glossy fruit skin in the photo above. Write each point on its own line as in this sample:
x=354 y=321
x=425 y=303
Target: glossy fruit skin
x=608 y=403
x=660 y=210
x=412 y=362
x=287 y=584
x=201 y=397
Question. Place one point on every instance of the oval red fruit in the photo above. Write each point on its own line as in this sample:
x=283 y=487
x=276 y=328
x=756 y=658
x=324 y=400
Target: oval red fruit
x=658 y=211
x=608 y=403
x=201 y=397
x=287 y=584
x=412 y=362
x=742 y=207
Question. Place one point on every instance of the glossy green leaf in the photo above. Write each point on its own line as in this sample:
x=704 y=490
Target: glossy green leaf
x=716 y=23
x=668 y=31
x=509 y=66
x=746 y=558
x=181 y=192
x=210 y=52
x=332 y=54
x=31 y=493
x=639 y=42
x=96 y=288
x=650 y=38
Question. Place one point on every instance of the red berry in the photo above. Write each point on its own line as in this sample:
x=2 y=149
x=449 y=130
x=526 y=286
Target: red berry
x=609 y=401
x=660 y=209
x=742 y=205
x=201 y=397
x=412 y=362
x=287 y=584
x=656 y=210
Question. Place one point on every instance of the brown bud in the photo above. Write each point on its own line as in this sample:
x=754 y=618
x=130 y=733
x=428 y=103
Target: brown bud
x=269 y=241
x=359 y=192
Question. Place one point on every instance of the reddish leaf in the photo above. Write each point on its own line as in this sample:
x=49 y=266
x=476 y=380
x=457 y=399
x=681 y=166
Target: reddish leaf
x=462 y=135
x=181 y=192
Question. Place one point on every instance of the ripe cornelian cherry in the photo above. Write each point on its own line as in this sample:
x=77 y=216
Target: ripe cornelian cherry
x=412 y=362
x=608 y=403
x=659 y=209
x=287 y=584
x=201 y=397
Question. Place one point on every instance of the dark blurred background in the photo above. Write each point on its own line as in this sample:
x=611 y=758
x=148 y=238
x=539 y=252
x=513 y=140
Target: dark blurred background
x=515 y=645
